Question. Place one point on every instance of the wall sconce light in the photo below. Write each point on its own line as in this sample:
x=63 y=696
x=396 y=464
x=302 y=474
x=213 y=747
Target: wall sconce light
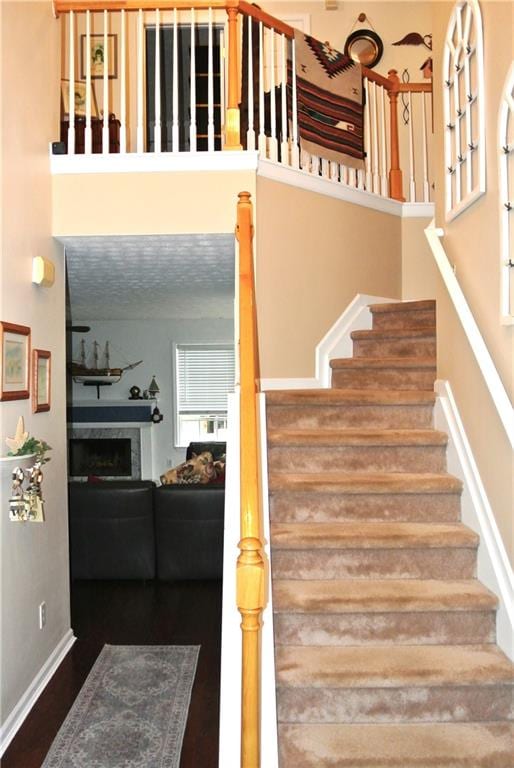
x=43 y=272
x=157 y=416
x=331 y=5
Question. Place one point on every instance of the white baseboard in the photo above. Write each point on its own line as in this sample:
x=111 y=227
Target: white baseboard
x=29 y=698
x=493 y=567
x=335 y=343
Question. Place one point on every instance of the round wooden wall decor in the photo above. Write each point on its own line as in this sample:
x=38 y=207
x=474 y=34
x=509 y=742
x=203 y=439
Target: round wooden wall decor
x=364 y=46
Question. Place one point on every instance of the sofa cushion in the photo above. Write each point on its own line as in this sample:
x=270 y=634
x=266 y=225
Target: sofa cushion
x=218 y=449
x=112 y=530
x=189 y=531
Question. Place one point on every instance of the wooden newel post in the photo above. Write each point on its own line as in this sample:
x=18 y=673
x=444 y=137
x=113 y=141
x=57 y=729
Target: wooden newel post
x=395 y=172
x=251 y=568
x=232 y=121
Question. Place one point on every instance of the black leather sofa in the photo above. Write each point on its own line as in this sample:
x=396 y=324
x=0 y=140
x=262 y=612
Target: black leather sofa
x=133 y=530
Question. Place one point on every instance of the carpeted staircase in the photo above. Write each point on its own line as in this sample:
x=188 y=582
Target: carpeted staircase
x=384 y=639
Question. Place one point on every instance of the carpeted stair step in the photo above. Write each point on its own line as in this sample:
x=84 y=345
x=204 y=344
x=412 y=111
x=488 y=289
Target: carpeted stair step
x=358 y=612
x=384 y=373
x=403 y=342
x=372 y=550
x=423 y=745
x=352 y=450
x=416 y=683
x=403 y=314
x=339 y=409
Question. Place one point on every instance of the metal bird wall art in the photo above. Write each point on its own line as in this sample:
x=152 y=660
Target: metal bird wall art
x=415 y=38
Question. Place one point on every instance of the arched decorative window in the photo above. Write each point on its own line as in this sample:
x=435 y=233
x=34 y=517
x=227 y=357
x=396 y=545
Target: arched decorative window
x=463 y=88
x=506 y=167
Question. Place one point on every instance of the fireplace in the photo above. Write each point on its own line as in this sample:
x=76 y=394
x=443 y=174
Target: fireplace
x=105 y=457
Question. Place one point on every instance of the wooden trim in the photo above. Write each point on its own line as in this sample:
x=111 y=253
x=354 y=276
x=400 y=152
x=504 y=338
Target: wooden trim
x=251 y=572
x=64 y=6
x=376 y=78
x=415 y=87
x=269 y=21
x=38 y=354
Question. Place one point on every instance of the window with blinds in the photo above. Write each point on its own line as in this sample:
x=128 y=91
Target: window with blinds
x=204 y=377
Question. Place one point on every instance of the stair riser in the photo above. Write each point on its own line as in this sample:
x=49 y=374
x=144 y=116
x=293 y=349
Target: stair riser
x=322 y=508
x=421 y=347
x=440 y=563
x=339 y=417
x=395 y=320
x=384 y=378
x=416 y=628
x=357 y=458
x=407 y=704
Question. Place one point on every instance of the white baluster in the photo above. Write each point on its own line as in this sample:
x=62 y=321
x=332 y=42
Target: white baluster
x=192 y=80
x=157 y=131
x=367 y=137
x=284 y=144
x=262 y=134
x=175 y=127
x=412 y=170
x=210 y=90
x=325 y=168
x=295 y=150
x=223 y=79
x=344 y=174
x=352 y=177
x=384 y=187
x=374 y=138
x=71 y=87
x=123 y=86
x=314 y=165
x=334 y=171
x=250 y=133
x=105 y=129
x=273 y=143
x=140 y=47
x=426 y=185
x=360 y=179
x=88 y=139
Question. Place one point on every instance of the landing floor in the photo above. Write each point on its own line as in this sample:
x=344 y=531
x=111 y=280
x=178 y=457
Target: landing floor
x=133 y=613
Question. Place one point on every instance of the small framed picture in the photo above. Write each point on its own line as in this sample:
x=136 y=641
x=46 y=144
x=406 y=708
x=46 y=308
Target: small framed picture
x=79 y=89
x=15 y=365
x=96 y=54
x=41 y=375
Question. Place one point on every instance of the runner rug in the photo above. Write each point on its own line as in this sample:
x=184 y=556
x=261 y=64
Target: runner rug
x=329 y=98
x=131 y=712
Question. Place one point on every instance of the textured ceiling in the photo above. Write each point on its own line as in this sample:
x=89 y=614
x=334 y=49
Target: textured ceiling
x=151 y=276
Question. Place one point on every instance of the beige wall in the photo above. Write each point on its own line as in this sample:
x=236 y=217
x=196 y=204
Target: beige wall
x=472 y=240
x=34 y=557
x=111 y=203
x=456 y=362
x=314 y=254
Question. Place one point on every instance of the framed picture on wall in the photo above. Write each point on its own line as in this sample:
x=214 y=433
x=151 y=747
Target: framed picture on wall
x=79 y=89
x=15 y=361
x=41 y=375
x=96 y=53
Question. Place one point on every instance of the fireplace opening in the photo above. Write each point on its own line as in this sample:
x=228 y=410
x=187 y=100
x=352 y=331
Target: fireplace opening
x=110 y=457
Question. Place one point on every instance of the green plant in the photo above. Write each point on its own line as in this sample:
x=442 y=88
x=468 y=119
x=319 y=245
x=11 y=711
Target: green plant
x=33 y=445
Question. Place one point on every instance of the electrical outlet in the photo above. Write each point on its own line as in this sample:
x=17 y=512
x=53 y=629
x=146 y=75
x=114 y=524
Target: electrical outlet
x=42 y=615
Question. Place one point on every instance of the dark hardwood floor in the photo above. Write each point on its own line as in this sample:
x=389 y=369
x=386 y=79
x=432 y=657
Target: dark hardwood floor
x=133 y=613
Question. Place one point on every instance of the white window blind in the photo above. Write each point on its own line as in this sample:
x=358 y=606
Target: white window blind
x=204 y=377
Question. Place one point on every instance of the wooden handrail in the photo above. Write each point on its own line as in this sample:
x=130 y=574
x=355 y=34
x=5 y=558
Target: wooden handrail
x=64 y=6
x=251 y=571
x=269 y=21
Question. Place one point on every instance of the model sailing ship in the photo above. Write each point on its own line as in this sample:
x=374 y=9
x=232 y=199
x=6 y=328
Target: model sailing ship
x=100 y=372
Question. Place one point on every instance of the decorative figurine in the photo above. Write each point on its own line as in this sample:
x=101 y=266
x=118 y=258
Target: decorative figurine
x=18 y=508
x=135 y=393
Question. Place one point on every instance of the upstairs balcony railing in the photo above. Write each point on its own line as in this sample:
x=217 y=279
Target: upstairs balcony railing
x=158 y=76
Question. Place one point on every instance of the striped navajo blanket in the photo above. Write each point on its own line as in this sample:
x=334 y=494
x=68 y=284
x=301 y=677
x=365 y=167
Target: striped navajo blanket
x=329 y=98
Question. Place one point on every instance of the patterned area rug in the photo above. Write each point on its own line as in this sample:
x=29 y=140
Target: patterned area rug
x=131 y=712
x=329 y=97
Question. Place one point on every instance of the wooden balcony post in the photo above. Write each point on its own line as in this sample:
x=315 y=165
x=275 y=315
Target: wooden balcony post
x=395 y=172
x=251 y=571
x=232 y=118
